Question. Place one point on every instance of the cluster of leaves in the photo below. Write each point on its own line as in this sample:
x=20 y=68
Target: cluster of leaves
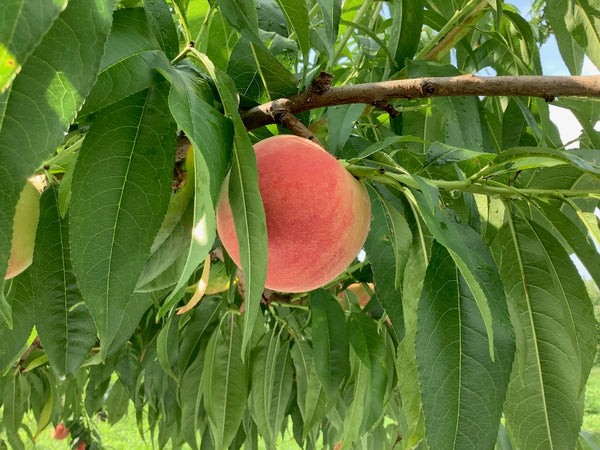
x=478 y=214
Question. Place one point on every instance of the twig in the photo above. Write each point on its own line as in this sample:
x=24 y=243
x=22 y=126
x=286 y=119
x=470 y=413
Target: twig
x=320 y=93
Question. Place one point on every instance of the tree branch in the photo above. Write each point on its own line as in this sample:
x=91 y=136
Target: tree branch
x=320 y=93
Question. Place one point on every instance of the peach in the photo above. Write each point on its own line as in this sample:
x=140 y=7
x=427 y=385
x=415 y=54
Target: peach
x=59 y=432
x=362 y=294
x=317 y=214
x=24 y=227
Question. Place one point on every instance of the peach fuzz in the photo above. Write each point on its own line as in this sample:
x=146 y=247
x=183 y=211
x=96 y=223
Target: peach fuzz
x=317 y=214
x=25 y=223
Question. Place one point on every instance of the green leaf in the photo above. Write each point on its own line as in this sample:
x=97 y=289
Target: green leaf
x=470 y=254
x=117 y=402
x=440 y=154
x=550 y=304
x=331 y=11
x=13 y=342
x=341 y=120
x=132 y=52
x=406 y=363
x=577 y=241
x=211 y=136
x=24 y=23
x=407 y=17
x=462 y=118
x=246 y=202
x=167 y=345
x=63 y=322
x=278 y=80
x=43 y=100
x=191 y=399
x=521 y=158
x=201 y=318
x=369 y=346
x=241 y=14
x=127 y=169
x=271 y=386
x=312 y=400
x=387 y=249
x=584 y=25
x=296 y=14
x=462 y=389
x=225 y=382
x=330 y=340
x=160 y=18
x=572 y=54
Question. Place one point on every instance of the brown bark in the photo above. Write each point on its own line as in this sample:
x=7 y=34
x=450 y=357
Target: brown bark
x=320 y=93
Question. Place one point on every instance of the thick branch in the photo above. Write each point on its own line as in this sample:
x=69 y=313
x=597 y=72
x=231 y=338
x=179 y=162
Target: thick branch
x=320 y=95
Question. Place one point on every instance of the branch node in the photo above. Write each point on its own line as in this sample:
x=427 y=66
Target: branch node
x=295 y=125
x=549 y=98
x=386 y=106
x=321 y=83
x=427 y=88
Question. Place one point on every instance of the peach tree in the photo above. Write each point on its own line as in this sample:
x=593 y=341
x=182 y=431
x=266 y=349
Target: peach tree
x=480 y=261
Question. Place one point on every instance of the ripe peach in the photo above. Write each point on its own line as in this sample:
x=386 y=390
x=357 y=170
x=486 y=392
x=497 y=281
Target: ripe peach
x=59 y=432
x=317 y=214
x=24 y=228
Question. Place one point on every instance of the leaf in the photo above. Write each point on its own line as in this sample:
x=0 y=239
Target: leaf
x=312 y=400
x=407 y=17
x=331 y=11
x=341 y=119
x=43 y=101
x=296 y=14
x=387 y=248
x=584 y=25
x=564 y=227
x=167 y=349
x=544 y=404
x=470 y=254
x=160 y=18
x=24 y=23
x=271 y=386
x=13 y=342
x=278 y=80
x=521 y=158
x=241 y=14
x=406 y=363
x=211 y=136
x=224 y=382
x=127 y=169
x=330 y=340
x=439 y=153
x=63 y=322
x=462 y=127
x=462 y=389
x=572 y=54
x=369 y=346
x=132 y=52
x=117 y=402
x=191 y=399
x=246 y=203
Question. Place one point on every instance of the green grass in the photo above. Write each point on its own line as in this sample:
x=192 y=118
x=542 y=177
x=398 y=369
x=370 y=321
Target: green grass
x=591 y=418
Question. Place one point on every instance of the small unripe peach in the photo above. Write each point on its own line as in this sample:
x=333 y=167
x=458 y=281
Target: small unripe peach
x=24 y=227
x=317 y=214
x=59 y=432
x=363 y=295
